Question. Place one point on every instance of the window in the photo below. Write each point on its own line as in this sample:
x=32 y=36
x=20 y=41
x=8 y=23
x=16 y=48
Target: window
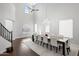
x=66 y=28
x=27 y=8
x=39 y=31
x=47 y=28
x=35 y=27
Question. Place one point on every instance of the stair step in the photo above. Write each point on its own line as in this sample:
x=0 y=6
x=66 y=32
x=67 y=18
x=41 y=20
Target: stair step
x=5 y=54
x=9 y=49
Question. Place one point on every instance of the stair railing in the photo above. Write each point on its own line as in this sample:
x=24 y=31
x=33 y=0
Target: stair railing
x=6 y=34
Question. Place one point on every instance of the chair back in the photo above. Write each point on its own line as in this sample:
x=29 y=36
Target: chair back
x=35 y=37
x=39 y=37
x=68 y=43
x=45 y=39
x=60 y=37
x=53 y=41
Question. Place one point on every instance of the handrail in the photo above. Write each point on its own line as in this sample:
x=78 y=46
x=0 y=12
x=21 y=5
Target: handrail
x=4 y=27
x=5 y=33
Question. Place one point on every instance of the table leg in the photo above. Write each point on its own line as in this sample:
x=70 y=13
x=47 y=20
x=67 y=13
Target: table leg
x=63 y=49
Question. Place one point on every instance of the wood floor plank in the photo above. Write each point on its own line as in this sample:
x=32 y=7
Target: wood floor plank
x=20 y=49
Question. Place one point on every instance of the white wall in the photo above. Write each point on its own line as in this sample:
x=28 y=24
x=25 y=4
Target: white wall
x=54 y=13
x=15 y=13
x=7 y=11
x=21 y=19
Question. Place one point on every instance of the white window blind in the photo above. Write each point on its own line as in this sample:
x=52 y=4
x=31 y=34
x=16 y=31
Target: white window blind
x=66 y=28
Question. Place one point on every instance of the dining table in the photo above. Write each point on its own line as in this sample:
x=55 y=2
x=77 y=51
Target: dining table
x=63 y=42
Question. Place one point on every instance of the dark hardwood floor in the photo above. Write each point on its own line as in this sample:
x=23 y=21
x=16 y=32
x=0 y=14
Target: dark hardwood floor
x=20 y=49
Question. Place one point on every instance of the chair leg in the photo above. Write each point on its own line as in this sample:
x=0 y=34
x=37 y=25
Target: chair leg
x=68 y=50
x=47 y=45
x=40 y=42
x=59 y=48
x=56 y=49
x=50 y=47
x=37 y=41
x=43 y=44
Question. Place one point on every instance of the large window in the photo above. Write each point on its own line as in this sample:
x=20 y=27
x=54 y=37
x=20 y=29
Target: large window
x=66 y=28
x=47 y=28
x=35 y=27
x=39 y=31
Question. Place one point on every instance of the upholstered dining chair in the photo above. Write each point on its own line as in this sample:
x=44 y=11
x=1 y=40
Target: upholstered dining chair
x=68 y=43
x=35 y=37
x=45 y=41
x=60 y=45
x=39 y=39
x=54 y=43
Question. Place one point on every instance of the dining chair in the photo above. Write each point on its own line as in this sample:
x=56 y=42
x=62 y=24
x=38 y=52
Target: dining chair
x=78 y=53
x=35 y=38
x=39 y=39
x=54 y=43
x=42 y=41
x=60 y=45
x=68 y=43
x=45 y=41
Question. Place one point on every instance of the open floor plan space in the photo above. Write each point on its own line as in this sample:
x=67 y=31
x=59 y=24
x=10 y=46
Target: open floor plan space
x=39 y=29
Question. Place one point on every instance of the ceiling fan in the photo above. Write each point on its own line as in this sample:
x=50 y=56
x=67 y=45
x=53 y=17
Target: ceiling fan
x=29 y=7
x=34 y=10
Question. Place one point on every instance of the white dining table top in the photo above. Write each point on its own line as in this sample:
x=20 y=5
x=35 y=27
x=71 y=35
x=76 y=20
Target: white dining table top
x=63 y=40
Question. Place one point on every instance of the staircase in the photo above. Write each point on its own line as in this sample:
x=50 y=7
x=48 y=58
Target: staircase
x=7 y=35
